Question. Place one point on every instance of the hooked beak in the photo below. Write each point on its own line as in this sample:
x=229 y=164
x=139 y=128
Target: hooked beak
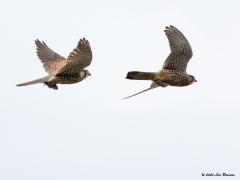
x=89 y=73
x=194 y=80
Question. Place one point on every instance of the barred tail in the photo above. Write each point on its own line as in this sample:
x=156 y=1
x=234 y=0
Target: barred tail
x=41 y=80
x=137 y=75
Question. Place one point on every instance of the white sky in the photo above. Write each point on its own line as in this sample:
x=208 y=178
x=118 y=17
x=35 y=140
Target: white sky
x=84 y=131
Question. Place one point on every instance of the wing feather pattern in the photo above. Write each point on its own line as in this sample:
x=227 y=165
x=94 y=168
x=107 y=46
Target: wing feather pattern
x=52 y=61
x=181 y=51
x=79 y=58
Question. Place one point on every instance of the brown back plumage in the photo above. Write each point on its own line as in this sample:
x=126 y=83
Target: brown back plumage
x=181 y=51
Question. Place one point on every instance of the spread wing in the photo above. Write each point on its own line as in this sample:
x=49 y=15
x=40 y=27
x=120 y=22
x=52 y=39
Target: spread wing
x=181 y=51
x=79 y=58
x=52 y=62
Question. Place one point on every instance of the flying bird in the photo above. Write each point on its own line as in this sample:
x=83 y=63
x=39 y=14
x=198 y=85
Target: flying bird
x=173 y=72
x=61 y=70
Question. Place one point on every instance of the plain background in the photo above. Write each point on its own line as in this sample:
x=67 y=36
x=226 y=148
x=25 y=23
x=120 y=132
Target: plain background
x=85 y=131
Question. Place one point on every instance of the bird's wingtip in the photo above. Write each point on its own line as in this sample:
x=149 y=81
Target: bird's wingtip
x=18 y=85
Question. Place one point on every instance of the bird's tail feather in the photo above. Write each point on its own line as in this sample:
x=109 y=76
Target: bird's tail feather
x=137 y=75
x=152 y=87
x=41 y=80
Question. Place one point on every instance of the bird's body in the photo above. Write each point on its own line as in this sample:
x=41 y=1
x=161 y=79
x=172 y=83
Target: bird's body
x=173 y=72
x=70 y=78
x=61 y=70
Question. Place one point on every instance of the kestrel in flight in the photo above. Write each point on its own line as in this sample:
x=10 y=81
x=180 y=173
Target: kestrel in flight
x=61 y=70
x=173 y=72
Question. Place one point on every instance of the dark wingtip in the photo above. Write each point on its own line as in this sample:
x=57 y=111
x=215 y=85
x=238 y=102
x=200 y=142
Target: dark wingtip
x=128 y=76
x=169 y=27
x=37 y=40
x=131 y=74
x=21 y=84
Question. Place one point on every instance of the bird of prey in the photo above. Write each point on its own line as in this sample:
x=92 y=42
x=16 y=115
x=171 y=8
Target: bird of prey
x=61 y=70
x=173 y=72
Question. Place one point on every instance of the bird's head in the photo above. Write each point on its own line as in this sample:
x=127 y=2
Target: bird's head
x=192 y=79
